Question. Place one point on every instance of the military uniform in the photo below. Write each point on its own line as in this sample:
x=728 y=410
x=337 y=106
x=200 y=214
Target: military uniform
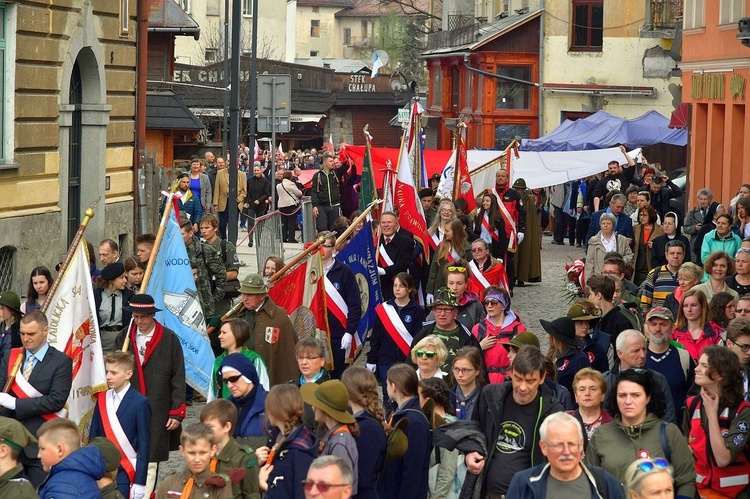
x=233 y=456
x=173 y=485
x=17 y=488
x=110 y=491
x=228 y=253
x=210 y=269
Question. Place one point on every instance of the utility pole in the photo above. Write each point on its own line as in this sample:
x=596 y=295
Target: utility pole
x=234 y=118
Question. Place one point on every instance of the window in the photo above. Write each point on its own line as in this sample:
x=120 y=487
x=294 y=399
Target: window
x=347 y=36
x=313 y=53
x=247 y=8
x=510 y=95
x=455 y=87
x=365 y=26
x=314 y=28
x=124 y=17
x=185 y=4
x=212 y=55
x=437 y=87
x=505 y=133
x=316 y=9
x=695 y=14
x=730 y=11
x=588 y=25
x=7 y=254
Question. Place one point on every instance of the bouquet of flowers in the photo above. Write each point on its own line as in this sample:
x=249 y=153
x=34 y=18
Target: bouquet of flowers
x=575 y=281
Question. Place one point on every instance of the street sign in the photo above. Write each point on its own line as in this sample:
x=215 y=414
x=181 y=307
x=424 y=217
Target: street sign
x=275 y=89
x=265 y=124
x=403 y=115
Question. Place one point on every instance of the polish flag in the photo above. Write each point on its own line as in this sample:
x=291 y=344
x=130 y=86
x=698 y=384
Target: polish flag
x=280 y=151
x=256 y=151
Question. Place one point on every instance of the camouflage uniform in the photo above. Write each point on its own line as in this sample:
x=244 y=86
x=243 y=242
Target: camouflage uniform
x=17 y=488
x=234 y=455
x=110 y=491
x=210 y=269
x=173 y=485
x=231 y=262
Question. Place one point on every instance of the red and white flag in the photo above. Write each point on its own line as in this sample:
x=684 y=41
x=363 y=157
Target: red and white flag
x=329 y=146
x=256 y=152
x=74 y=330
x=464 y=189
x=280 y=151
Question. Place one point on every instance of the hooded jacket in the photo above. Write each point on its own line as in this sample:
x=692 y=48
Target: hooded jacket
x=614 y=446
x=251 y=414
x=532 y=483
x=75 y=476
x=293 y=458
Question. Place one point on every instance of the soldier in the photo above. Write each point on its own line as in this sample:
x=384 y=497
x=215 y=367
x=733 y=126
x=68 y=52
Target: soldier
x=212 y=274
x=209 y=226
x=13 y=438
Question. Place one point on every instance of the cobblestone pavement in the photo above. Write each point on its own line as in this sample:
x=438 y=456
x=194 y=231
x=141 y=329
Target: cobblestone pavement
x=532 y=302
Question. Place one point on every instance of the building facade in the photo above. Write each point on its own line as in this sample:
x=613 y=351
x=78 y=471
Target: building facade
x=68 y=119
x=715 y=69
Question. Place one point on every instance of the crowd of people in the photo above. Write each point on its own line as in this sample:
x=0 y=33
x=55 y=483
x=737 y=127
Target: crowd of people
x=642 y=391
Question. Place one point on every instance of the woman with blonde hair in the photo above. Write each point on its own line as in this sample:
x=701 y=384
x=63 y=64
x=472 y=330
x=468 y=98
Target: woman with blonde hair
x=446 y=213
x=589 y=390
x=648 y=478
x=428 y=355
x=453 y=248
x=689 y=276
x=364 y=401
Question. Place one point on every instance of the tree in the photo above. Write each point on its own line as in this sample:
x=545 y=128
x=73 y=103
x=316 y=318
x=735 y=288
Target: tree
x=429 y=11
x=404 y=39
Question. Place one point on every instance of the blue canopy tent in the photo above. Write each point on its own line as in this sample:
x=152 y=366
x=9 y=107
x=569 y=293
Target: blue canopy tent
x=602 y=130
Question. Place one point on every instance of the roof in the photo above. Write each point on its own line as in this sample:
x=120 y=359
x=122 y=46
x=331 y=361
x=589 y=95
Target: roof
x=165 y=111
x=376 y=8
x=168 y=16
x=325 y=3
x=303 y=101
x=346 y=66
x=472 y=37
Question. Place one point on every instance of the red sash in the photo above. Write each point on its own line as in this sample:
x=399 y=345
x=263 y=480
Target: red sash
x=510 y=223
x=395 y=327
x=486 y=225
x=384 y=259
x=435 y=240
x=336 y=304
x=22 y=389
x=116 y=435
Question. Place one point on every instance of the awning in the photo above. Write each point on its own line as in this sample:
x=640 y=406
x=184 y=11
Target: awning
x=165 y=111
x=166 y=16
x=680 y=117
x=592 y=89
x=306 y=118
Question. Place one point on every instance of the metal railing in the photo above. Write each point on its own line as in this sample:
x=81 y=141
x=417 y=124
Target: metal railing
x=452 y=38
x=267 y=237
x=665 y=13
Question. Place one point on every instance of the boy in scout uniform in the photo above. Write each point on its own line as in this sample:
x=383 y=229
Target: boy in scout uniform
x=196 y=481
x=221 y=416
x=13 y=438
x=107 y=484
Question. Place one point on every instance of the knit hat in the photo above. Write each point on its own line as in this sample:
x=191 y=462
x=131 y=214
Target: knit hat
x=113 y=271
x=112 y=456
x=240 y=364
x=331 y=397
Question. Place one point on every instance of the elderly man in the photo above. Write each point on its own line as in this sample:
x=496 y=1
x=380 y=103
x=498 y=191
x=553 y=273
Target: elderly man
x=39 y=390
x=109 y=252
x=631 y=350
x=329 y=477
x=664 y=357
x=623 y=223
x=395 y=251
x=272 y=335
x=159 y=375
x=564 y=475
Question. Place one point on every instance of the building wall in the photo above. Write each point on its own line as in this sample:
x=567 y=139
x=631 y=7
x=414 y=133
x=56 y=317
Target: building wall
x=715 y=70
x=620 y=62
x=328 y=44
x=209 y=14
x=42 y=46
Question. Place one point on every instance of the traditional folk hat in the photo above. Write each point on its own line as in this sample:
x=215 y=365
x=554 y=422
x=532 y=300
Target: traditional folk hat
x=577 y=312
x=253 y=284
x=142 y=304
x=562 y=328
x=519 y=184
x=398 y=442
x=331 y=397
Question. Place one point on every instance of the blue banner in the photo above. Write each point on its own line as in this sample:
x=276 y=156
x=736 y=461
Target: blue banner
x=174 y=292
x=359 y=255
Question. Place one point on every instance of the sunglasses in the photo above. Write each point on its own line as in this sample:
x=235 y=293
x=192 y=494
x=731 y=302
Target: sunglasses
x=654 y=464
x=322 y=486
x=491 y=302
x=425 y=354
x=232 y=379
x=457 y=269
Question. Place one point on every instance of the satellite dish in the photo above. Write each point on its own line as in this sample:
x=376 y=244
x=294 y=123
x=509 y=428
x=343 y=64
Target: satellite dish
x=382 y=55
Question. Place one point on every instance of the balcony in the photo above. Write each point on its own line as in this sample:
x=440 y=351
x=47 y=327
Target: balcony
x=360 y=42
x=661 y=18
x=463 y=35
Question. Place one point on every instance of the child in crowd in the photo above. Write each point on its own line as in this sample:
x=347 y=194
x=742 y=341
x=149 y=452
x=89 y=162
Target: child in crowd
x=112 y=456
x=120 y=412
x=221 y=416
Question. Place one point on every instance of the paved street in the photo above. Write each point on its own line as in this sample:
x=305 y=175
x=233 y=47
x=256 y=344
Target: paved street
x=532 y=302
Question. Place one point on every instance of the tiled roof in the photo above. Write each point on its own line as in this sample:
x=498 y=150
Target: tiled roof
x=326 y=3
x=165 y=111
x=375 y=8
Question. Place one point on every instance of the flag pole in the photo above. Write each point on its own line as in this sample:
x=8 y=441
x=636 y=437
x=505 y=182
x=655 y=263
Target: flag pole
x=152 y=258
x=456 y=172
x=278 y=275
x=87 y=216
x=357 y=220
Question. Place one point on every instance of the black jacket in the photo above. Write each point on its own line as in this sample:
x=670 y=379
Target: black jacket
x=659 y=247
x=660 y=200
x=325 y=189
x=127 y=295
x=401 y=251
x=258 y=189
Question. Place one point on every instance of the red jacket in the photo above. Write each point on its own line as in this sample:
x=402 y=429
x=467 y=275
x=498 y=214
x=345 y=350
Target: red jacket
x=710 y=336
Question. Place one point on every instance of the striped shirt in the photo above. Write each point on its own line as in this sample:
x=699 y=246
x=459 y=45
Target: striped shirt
x=659 y=283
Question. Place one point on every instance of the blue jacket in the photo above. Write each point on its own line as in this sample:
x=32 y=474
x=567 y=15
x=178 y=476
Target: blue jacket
x=532 y=483
x=624 y=225
x=408 y=476
x=597 y=351
x=253 y=424
x=293 y=458
x=371 y=445
x=383 y=350
x=75 y=476
x=345 y=283
x=568 y=364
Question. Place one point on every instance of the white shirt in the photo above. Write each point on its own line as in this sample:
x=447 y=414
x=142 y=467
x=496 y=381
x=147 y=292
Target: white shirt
x=141 y=340
x=118 y=396
x=611 y=244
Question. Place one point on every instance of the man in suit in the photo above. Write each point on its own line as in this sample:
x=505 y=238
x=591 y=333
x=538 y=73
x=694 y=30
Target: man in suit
x=43 y=370
x=131 y=411
x=160 y=376
x=221 y=194
x=395 y=252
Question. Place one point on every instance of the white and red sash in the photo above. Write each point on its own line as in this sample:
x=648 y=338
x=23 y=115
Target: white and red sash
x=22 y=389
x=114 y=432
x=435 y=240
x=477 y=274
x=490 y=229
x=509 y=222
x=336 y=304
x=452 y=255
x=395 y=327
x=384 y=259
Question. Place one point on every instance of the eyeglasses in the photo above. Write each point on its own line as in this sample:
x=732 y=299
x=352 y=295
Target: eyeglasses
x=742 y=311
x=232 y=379
x=442 y=310
x=421 y=354
x=463 y=370
x=457 y=269
x=322 y=486
x=742 y=346
x=309 y=359
x=559 y=447
x=491 y=302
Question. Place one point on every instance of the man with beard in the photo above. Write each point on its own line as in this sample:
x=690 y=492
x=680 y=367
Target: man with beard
x=617 y=178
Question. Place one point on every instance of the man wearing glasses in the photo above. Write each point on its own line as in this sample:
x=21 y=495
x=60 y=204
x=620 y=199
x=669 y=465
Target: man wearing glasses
x=738 y=341
x=565 y=475
x=329 y=477
x=663 y=280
